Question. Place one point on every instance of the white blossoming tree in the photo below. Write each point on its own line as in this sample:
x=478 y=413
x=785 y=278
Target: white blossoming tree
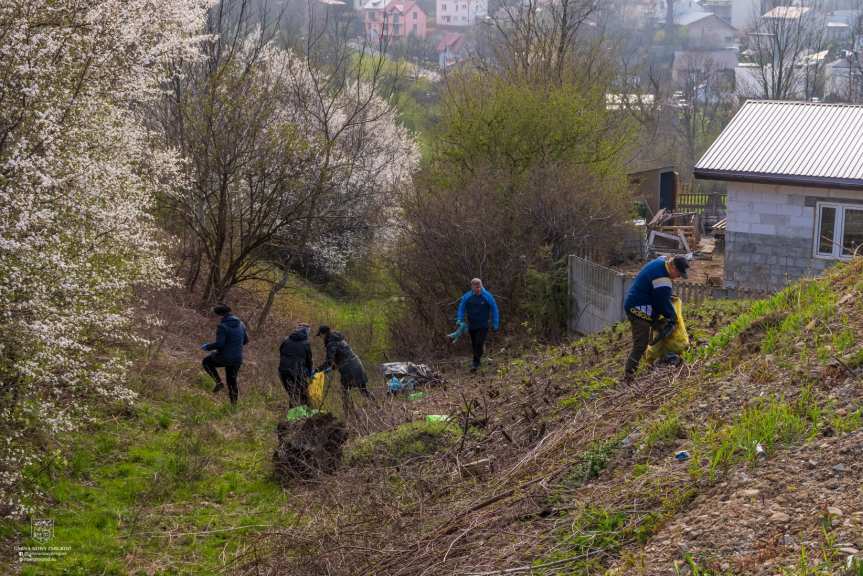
x=78 y=175
x=290 y=154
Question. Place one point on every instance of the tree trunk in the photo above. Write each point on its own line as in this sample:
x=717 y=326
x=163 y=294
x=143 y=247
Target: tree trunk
x=271 y=297
x=669 y=22
x=194 y=270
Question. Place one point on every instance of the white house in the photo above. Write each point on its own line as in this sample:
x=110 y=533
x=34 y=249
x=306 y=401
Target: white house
x=843 y=78
x=795 y=189
x=706 y=30
x=460 y=12
x=837 y=75
x=699 y=64
x=744 y=13
x=748 y=80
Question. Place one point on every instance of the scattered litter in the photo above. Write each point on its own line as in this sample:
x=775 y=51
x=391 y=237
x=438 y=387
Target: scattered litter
x=396 y=385
x=681 y=455
x=437 y=418
x=300 y=412
x=406 y=376
x=759 y=451
x=630 y=439
x=417 y=396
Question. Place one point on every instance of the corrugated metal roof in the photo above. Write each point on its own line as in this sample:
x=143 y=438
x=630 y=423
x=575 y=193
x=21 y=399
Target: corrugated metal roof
x=800 y=143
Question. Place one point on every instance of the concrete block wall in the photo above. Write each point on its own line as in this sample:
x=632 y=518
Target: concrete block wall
x=771 y=232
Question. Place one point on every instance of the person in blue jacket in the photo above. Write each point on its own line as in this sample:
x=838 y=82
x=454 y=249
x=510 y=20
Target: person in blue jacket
x=649 y=297
x=474 y=309
x=226 y=351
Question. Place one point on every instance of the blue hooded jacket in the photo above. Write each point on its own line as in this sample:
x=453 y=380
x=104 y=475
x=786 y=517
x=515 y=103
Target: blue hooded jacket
x=477 y=308
x=649 y=295
x=230 y=338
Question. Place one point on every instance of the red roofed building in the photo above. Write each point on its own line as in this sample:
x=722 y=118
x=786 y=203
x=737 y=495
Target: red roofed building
x=450 y=49
x=394 y=19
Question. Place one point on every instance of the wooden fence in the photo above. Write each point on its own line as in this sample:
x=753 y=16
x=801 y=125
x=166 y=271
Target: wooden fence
x=693 y=293
x=705 y=204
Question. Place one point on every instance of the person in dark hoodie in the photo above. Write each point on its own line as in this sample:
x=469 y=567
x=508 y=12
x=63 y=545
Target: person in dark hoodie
x=295 y=364
x=340 y=355
x=226 y=351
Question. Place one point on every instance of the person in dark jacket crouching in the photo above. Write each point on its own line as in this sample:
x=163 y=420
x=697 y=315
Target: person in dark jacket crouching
x=351 y=370
x=226 y=351
x=295 y=364
x=649 y=297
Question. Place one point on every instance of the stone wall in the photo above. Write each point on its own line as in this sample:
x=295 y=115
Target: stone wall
x=771 y=232
x=767 y=262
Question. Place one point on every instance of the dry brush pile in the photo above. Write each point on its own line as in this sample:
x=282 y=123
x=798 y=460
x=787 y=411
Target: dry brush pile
x=522 y=444
x=553 y=466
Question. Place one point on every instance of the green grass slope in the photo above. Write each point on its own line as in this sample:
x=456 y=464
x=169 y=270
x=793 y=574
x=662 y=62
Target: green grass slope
x=180 y=484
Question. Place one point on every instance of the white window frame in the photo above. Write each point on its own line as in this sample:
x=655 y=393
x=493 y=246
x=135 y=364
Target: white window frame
x=838 y=229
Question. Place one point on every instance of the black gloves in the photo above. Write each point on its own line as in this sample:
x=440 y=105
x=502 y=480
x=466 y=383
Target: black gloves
x=662 y=333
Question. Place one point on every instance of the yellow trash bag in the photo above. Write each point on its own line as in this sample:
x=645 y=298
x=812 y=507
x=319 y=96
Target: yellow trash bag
x=675 y=343
x=316 y=390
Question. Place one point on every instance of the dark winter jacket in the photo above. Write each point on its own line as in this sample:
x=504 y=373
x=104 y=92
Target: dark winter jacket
x=477 y=308
x=340 y=355
x=230 y=338
x=649 y=295
x=295 y=353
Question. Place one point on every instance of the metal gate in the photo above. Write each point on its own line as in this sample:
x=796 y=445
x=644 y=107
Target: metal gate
x=595 y=296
